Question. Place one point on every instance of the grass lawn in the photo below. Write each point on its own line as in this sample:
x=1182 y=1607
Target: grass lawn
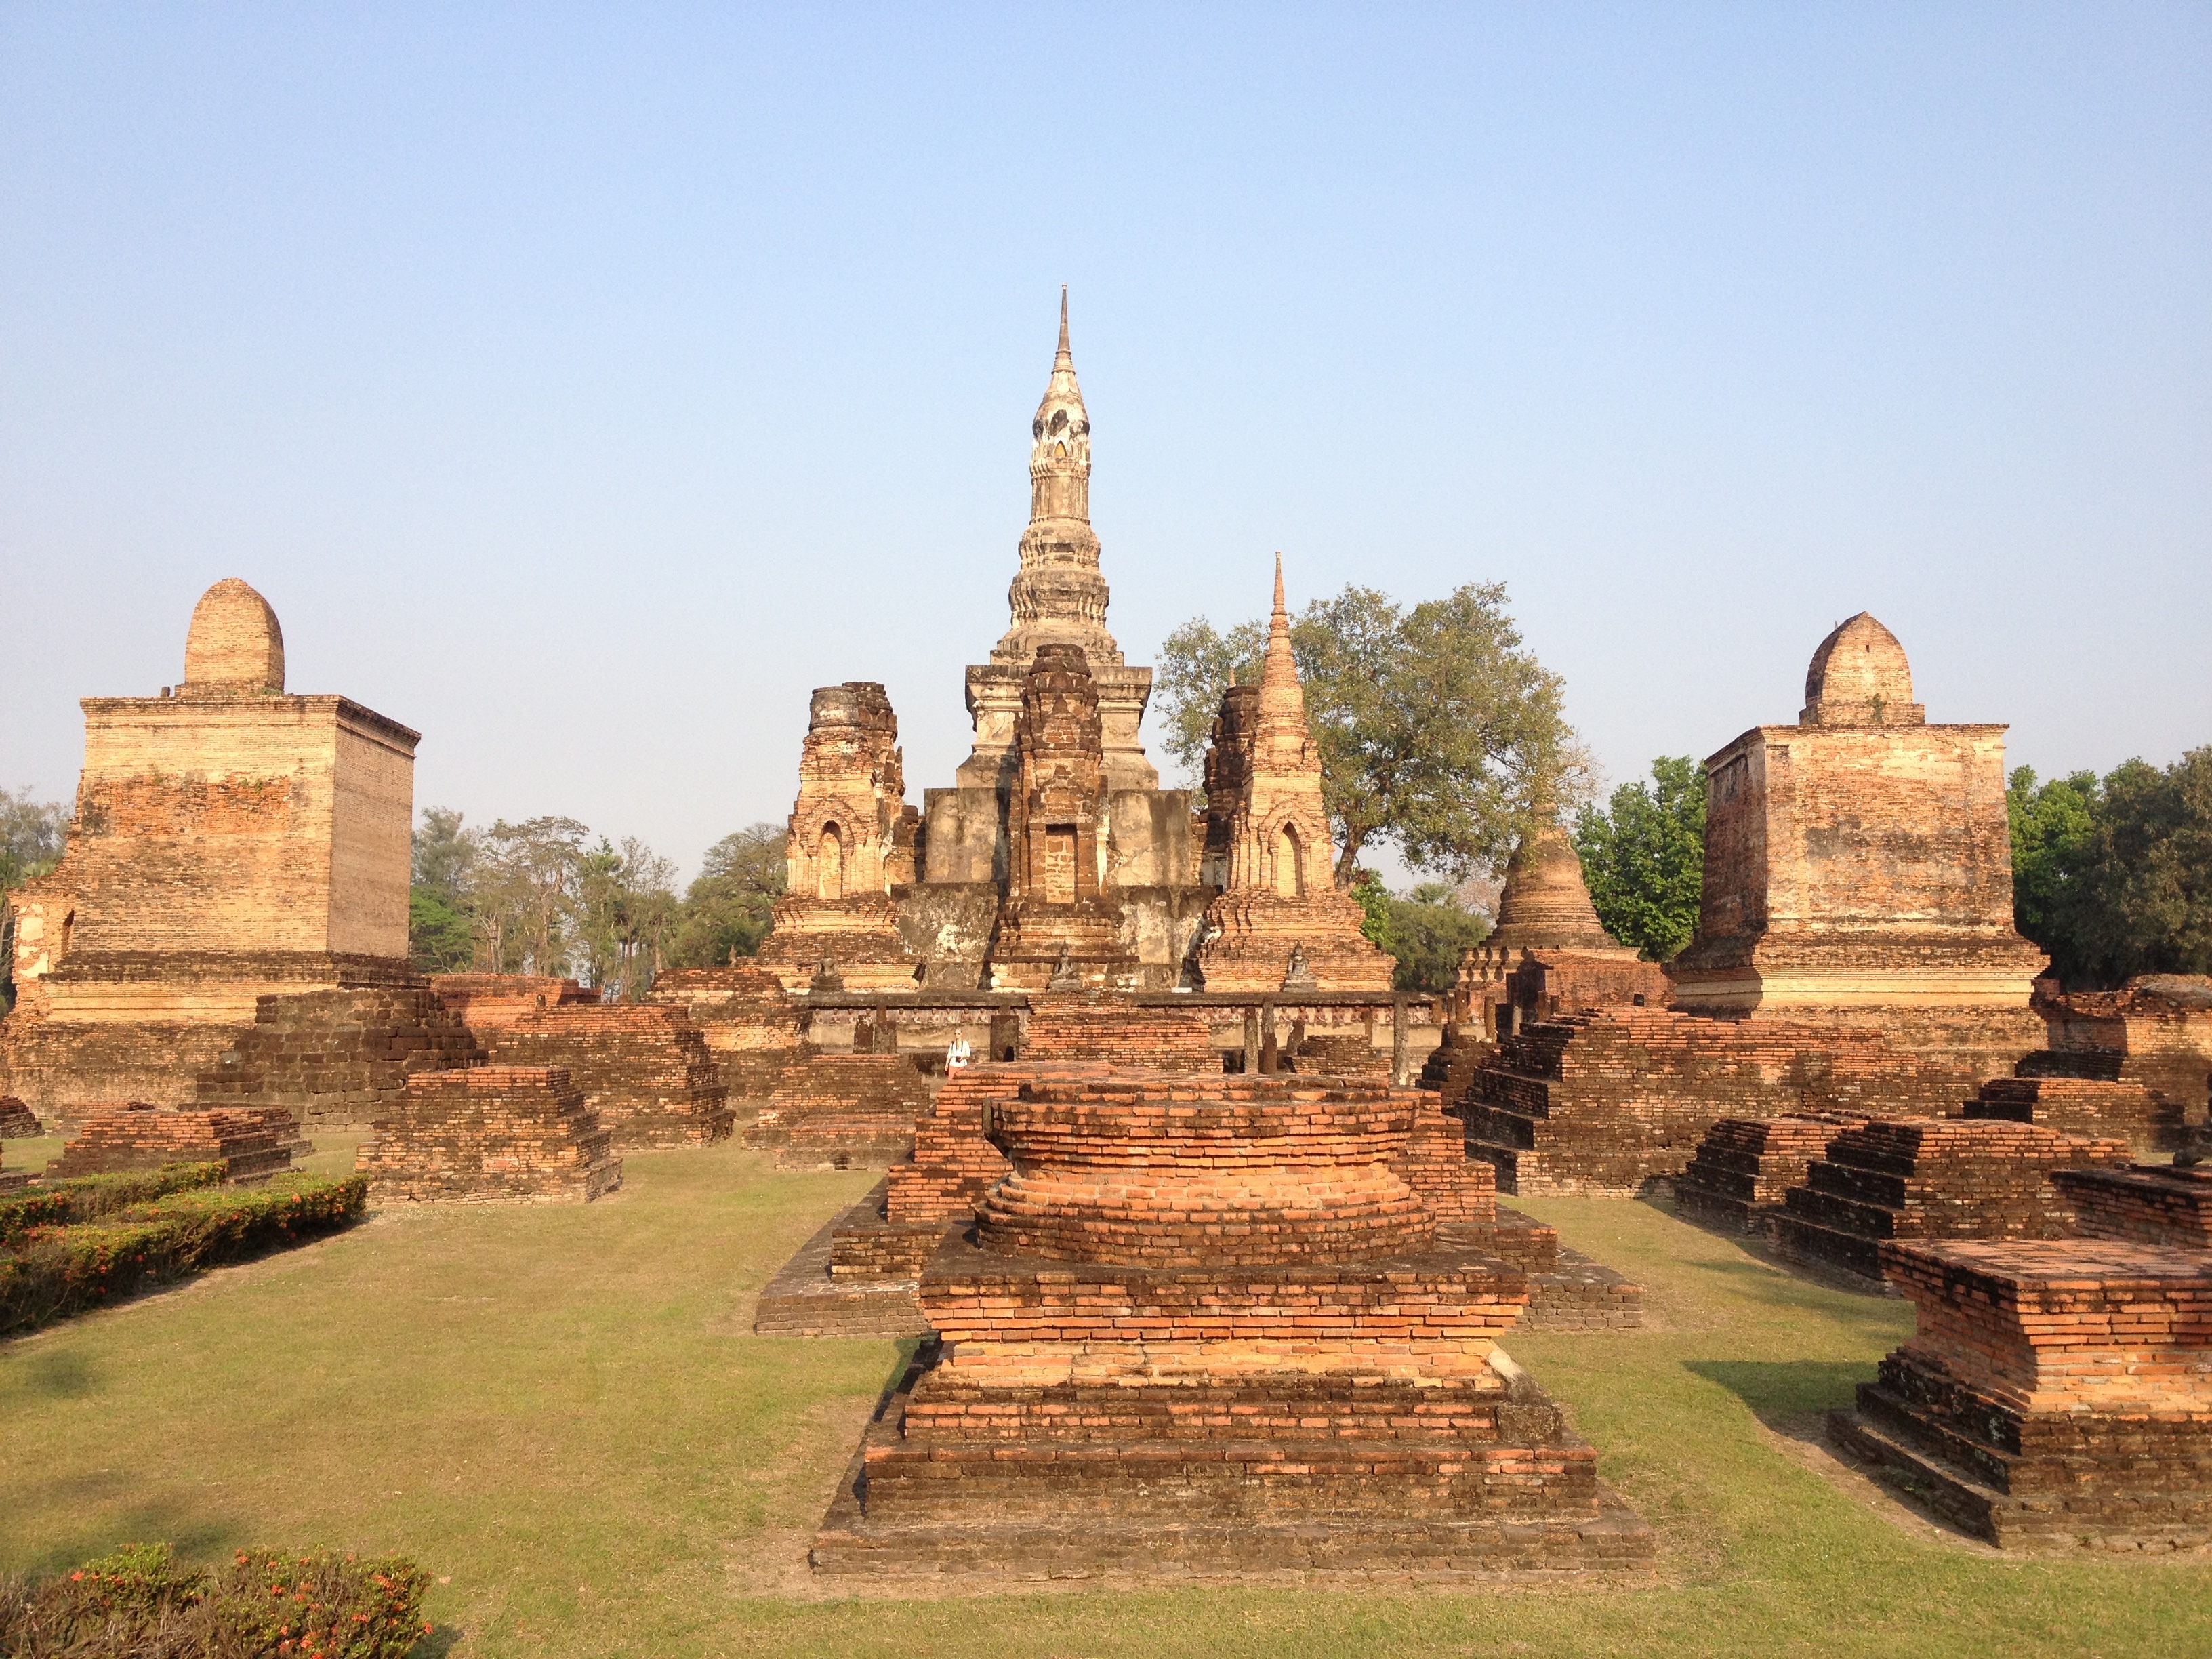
x=562 y=1414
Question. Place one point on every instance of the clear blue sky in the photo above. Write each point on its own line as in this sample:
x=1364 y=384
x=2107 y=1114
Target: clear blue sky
x=583 y=386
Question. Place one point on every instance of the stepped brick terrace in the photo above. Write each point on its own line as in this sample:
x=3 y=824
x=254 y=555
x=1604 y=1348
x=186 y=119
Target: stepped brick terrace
x=499 y=1133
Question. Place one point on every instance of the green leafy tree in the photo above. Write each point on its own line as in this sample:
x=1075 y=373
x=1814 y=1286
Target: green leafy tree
x=726 y=911
x=1426 y=930
x=1440 y=733
x=441 y=928
x=625 y=909
x=1643 y=857
x=524 y=894
x=2054 y=837
x=31 y=834
x=2143 y=904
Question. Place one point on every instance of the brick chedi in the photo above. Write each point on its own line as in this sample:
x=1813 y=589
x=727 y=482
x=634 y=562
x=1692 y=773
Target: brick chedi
x=850 y=840
x=1549 y=954
x=230 y=841
x=1280 y=919
x=17 y=1121
x=490 y=1133
x=1060 y=923
x=2054 y=1396
x=1204 y=1326
x=253 y=1144
x=1931 y=1178
x=1858 y=871
x=644 y=1070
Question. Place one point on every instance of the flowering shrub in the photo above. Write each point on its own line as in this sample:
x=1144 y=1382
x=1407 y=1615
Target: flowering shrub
x=262 y=1604
x=50 y=1271
x=88 y=1197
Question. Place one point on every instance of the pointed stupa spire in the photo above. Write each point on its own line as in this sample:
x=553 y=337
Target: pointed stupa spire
x=1279 y=680
x=1066 y=359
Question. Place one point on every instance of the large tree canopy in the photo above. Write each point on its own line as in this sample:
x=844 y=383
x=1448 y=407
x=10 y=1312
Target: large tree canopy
x=1440 y=732
x=1643 y=857
x=2114 y=877
x=726 y=911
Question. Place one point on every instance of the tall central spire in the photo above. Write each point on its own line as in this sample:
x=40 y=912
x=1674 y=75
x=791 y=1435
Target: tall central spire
x=1058 y=596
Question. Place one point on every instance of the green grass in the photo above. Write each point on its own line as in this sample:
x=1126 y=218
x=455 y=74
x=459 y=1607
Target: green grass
x=560 y=1413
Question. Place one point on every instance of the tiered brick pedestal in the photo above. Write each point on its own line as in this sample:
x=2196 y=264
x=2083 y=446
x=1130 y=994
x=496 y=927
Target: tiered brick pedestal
x=2145 y=1204
x=1930 y=1178
x=255 y=1144
x=645 y=1070
x=1205 y=1328
x=2083 y=1106
x=1609 y=1103
x=1744 y=1168
x=18 y=1122
x=337 y=1058
x=750 y=1022
x=501 y=1134
x=2055 y=1394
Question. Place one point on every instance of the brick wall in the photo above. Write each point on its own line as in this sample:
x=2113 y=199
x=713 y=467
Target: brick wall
x=505 y=1134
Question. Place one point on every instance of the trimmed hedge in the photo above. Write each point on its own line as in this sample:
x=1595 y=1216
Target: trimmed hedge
x=51 y=1271
x=88 y=1197
x=264 y=1604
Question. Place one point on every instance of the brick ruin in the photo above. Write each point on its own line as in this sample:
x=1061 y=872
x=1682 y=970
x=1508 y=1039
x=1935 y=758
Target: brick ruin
x=1279 y=922
x=2054 y=1394
x=1916 y=1179
x=18 y=1122
x=2153 y=1034
x=487 y=999
x=231 y=840
x=751 y=1023
x=1858 y=871
x=1616 y=1100
x=490 y=1133
x=1738 y=1179
x=850 y=840
x=2078 y=1106
x=2142 y=1204
x=841 y=1111
x=337 y=1059
x=1117 y=1388
x=645 y=1070
x=252 y=1144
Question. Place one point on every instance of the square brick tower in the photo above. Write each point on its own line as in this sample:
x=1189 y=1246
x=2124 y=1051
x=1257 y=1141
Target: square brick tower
x=1858 y=870
x=231 y=840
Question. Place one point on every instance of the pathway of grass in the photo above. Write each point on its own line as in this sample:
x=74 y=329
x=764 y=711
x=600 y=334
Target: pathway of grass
x=561 y=1410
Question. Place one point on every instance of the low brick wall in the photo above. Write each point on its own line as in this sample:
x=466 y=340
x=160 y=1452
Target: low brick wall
x=2147 y=1204
x=253 y=1144
x=337 y=1058
x=516 y=1134
x=644 y=1070
x=845 y=1111
x=2084 y=1106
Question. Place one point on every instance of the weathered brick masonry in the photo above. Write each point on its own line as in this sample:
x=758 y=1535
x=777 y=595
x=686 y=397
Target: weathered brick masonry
x=2081 y=1106
x=1931 y=1178
x=2055 y=1394
x=496 y=1133
x=751 y=1025
x=1203 y=1326
x=645 y=1070
x=845 y=1111
x=2146 y=1204
x=254 y=1145
x=337 y=1058
x=1743 y=1168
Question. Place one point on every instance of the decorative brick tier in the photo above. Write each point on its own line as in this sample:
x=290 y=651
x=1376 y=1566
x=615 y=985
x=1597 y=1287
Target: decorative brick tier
x=337 y=1058
x=17 y=1121
x=1738 y=1179
x=1931 y=1178
x=255 y=1143
x=1612 y=1101
x=2084 y=1106
x=843 y=1111
x=2055 y=1394
x=2146 y=1204
x=645 y=1070
x=1101 y=1028
x=496 y=1133
x=1137 y=1372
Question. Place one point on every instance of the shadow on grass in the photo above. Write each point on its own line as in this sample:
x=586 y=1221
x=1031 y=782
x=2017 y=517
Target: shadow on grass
x=1783 y=1393
x=438 y=1643
x=195 y=1537
x=48 y=1375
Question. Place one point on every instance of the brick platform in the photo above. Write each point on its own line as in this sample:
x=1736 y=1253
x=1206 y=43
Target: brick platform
x=490 y=1133
x=1341 y=1054
x=337 y=1058
x=1742 y=1169
x=843 y=1111
x=17 y=1121
x=1611 y=1101
x=2083 y=1106
x=255 y=1144
x=645 y=1070
x=2146 y=1204
x=1930 y=1178
x=484 y=1000
x=751 y=1023
x=1206 y=1329
x=2055 y=1395
x=1103 y=1029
